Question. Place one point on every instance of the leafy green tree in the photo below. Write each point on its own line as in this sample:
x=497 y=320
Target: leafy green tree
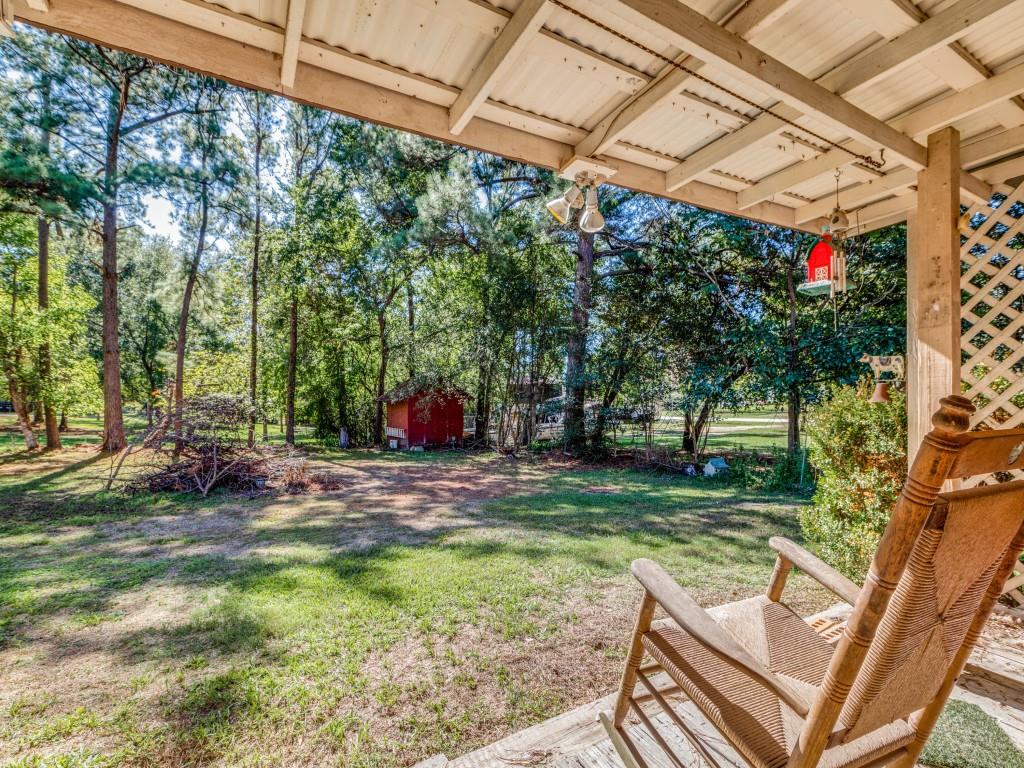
x=209 y=169
x=259 y=119
x=311 y=135
x=384 y=173
x=147 y=333
x=19 y=327
x=115 y=103
x=60 y=327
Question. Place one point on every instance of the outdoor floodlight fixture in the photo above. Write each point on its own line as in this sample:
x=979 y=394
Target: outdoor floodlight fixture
x=592 y=220
x=561 y=207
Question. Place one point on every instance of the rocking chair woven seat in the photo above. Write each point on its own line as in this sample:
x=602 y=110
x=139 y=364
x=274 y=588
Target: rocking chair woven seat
x=781 y=695
x=755 y=720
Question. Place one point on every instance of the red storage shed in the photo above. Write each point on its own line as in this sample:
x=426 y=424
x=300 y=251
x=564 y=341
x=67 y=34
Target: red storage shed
x=424 y=416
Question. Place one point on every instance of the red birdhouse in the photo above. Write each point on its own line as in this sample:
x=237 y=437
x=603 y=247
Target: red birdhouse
x=826 y=268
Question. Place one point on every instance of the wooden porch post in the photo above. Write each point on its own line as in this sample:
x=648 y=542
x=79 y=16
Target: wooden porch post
x=933 y=286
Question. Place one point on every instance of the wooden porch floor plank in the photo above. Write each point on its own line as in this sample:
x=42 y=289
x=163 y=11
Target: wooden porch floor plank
x=576 y=739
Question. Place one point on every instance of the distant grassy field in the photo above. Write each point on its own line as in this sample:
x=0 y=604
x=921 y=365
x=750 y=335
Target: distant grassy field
x=746 y=430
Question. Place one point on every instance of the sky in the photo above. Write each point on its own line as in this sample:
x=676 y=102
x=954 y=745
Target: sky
x=158 y=219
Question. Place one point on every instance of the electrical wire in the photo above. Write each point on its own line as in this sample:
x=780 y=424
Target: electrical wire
x=865 y=159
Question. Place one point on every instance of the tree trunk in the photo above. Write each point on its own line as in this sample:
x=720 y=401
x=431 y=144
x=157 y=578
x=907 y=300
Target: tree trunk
x=411 y=311
x=575 y=372
x=49 y=414
x=22 y=414
x=12 y=365
x=792 y=365
x=611 y=394
x=254 y=283
x=342 y=391
x=186 y=306
x=293 y=352
x=43 y=228
x=114 y=438
x=382 y=372
x=482 y=419
x=63 y=426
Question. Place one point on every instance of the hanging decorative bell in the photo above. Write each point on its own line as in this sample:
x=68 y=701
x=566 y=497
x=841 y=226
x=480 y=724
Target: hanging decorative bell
x=881 y=393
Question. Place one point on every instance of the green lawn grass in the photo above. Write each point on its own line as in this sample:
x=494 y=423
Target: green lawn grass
x=292 y=648
x=733 y=430
x=343 y=629
x=966 y=737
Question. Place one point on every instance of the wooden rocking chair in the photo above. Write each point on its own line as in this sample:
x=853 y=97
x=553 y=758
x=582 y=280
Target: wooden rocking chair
x=781 y=695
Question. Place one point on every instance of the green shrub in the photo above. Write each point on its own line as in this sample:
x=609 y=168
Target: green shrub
x=775 y=471
x=859 y=451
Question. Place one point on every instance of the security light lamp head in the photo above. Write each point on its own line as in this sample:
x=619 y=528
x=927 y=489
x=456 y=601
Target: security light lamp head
x=561 y=207
x=592 y=220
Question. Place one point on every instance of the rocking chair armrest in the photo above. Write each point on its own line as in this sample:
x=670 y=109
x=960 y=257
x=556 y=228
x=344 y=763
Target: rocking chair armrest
x=704 y=629
x=816 y=568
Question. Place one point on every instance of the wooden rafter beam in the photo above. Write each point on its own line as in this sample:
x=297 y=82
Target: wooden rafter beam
x=292 y=40
x=951 y=63
x=797 y=174
x=985 y=150
x=976 y=155
x=938 y=31
x=738 y=58
x=6 y=18
x=963 y=103
x=859 y=195
x=515 y=36
x=489 y=19
x=710 y=155
x=748 y=21
x=124 y=27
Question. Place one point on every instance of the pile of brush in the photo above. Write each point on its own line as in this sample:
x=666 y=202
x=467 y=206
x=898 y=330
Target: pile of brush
x=202 y=464
x=207 y=449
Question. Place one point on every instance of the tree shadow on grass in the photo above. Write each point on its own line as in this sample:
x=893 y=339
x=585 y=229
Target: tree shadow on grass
x=301 y=588
x=41 y=481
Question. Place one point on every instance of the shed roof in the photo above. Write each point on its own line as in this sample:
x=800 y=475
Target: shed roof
x=571 y=84
x=411 y=387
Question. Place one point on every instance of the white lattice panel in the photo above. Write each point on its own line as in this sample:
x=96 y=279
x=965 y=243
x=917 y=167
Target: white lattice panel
x=992 y=318
x=992 y=311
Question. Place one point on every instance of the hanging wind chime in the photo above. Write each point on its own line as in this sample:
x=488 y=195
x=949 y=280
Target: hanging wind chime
x=826 y=263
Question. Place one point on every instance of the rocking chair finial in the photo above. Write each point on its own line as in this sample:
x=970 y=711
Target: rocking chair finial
x=954 y=414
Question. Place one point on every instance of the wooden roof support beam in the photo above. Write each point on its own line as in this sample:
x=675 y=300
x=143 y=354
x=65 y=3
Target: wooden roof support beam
x=945 y=27
x=740 y=59
x=933 y=287
x=515 y=36
x=992 y=148
x=489 y=19
x=858 y=195
x=118 y=25
x=951 y=63
x=798 y=173
x=975 y=155
x=292 y=40
x=708 y=156
x=878 y=62
x=963 y=104
x=748 y=21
